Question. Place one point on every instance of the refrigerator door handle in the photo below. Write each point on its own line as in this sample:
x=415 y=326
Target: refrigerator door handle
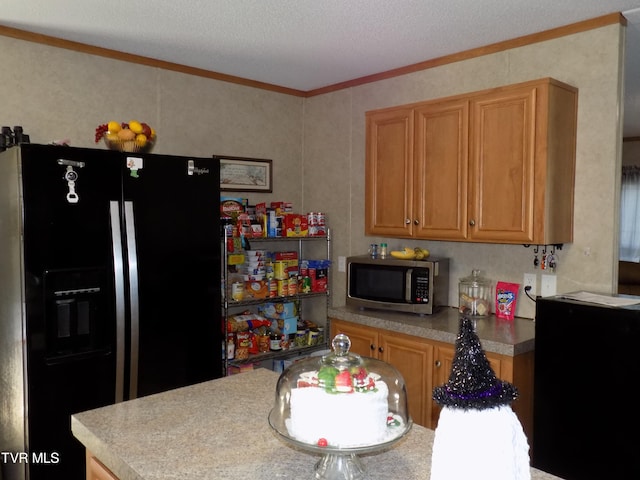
x=116 y=242
x=132 y=256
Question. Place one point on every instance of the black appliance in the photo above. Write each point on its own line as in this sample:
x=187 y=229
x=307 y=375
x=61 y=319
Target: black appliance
x=109 y=290
x=586 y=419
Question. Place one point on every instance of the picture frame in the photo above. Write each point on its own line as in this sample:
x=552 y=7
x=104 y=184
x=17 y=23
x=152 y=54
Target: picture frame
x=243 y=174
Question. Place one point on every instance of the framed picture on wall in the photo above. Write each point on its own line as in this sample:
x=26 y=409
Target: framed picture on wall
x=242 y=174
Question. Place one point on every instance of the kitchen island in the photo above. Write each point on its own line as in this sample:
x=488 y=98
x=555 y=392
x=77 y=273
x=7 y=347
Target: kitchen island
x=219 y=430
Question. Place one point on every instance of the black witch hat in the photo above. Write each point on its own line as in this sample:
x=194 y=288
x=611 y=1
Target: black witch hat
x=473 y=383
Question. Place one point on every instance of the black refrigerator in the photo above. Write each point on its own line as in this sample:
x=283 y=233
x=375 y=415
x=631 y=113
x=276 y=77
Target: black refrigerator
x=586 y=420
x=109 y=290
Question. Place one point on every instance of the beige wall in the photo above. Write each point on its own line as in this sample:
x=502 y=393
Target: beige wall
x=317 y=144
x=60 y=94
x=590 y=61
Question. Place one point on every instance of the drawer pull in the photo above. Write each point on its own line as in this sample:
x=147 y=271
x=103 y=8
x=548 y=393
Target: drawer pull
x=438 y=363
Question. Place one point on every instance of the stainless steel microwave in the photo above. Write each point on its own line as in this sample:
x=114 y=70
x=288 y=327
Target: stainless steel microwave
x=401 y=285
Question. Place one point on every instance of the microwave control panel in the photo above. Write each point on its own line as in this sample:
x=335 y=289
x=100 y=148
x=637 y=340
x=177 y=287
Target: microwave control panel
x=420 y=285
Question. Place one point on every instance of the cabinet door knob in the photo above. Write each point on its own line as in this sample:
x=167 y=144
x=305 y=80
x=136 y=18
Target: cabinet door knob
x=407 y=221
x=416 y=222
x=438 y=363
x=380 y=349
x=472 y=222
x=372 y=347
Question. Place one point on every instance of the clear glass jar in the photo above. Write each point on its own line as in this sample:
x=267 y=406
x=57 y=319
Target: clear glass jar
x=475 y=295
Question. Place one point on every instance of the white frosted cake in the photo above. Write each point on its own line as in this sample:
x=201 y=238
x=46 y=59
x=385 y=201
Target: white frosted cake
x=340 y=409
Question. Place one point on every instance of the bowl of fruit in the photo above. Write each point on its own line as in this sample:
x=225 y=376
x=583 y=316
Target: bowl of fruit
x=134 y=137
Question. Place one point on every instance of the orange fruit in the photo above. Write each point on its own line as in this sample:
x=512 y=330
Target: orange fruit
x=126 y=134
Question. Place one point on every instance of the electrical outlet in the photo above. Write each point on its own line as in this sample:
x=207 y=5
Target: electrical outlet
x=342 y=264
x=530 y=280
x=548 y=285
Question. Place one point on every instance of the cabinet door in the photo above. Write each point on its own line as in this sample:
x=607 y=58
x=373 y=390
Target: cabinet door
x=364 y=340
x=389 y=173
x=441 y=170
x=413 y=358
x=501 y=172
x=96 y=470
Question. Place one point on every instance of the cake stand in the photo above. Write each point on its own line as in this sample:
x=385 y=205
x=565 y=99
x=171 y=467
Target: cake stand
x=341 y=463
x=331 y=376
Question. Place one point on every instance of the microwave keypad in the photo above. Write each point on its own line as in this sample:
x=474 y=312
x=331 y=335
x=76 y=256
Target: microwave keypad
x=422 y=288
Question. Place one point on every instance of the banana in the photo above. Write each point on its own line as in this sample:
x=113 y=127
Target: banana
x=406 y=254
x=421 y=253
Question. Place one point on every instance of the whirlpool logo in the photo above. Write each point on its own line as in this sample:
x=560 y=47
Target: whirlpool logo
x=193 y=170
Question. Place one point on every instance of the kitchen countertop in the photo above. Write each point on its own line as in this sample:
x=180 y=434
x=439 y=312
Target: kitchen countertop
x=219 y=430
x=505 y=337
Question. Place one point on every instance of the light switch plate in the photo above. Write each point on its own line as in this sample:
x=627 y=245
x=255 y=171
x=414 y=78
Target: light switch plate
x=342 y=264
x=548 y=285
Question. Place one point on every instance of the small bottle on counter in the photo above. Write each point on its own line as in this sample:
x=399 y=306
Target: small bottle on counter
x=383 y=250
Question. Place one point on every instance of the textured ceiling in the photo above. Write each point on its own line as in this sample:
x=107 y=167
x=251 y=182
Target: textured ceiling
x=305 y=44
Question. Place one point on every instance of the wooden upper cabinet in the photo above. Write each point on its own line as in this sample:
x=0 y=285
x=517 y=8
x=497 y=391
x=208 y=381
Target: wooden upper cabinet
x=441 y=170
x=495 y=166
x=389 y=172
x=502 y=161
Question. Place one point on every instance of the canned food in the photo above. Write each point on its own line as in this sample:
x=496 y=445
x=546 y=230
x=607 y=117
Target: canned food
x=293 y=286
x=283 y=288
x=273 y=288
x=306 y=285
x=237 y=291
x=280 y=269
x=322 y=229
x=264 y=343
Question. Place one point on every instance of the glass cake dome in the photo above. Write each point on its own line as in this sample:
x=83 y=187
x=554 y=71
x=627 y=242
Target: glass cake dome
x=340 y=403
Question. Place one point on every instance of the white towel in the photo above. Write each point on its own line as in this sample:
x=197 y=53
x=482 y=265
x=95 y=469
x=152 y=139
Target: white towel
x=480 y=445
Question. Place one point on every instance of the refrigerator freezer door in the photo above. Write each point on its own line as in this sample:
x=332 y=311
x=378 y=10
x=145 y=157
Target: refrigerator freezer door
x=172 y=213
x=69 y=307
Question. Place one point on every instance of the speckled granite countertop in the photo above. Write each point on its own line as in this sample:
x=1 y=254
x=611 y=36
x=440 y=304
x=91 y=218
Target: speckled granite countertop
x=498 y=336
x=218 y=430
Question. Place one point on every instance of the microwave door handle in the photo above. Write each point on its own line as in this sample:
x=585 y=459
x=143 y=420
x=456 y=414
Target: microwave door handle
x=407 y=285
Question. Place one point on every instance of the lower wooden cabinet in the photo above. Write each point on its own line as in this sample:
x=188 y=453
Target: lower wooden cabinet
x=96 y=470
x=425 y=364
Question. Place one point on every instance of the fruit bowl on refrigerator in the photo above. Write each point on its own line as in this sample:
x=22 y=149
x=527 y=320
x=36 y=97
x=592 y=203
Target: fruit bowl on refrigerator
x=132 y=146
x=133 y=137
